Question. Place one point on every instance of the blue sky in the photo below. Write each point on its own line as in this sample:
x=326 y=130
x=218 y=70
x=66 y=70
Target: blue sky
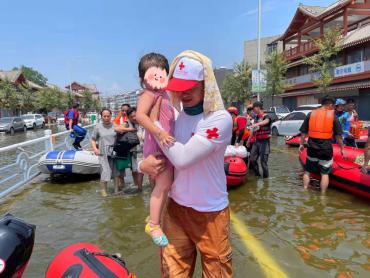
x=101 y=41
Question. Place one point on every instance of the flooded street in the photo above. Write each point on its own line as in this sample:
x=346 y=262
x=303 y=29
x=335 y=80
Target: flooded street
x=278 y=229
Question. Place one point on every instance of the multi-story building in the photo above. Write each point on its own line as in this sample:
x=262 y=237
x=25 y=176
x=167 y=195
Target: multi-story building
x=268 y=44
x=128 y=97
x=352 y=74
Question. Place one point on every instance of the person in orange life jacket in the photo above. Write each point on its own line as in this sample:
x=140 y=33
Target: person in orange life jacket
x=261 y=133
x=122 y=117
x=238 y=123
x=244 y=132
x=71 y=121
x=365 y=167
x=320 y=125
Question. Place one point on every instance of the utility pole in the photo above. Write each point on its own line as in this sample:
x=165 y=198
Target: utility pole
x=259 y=48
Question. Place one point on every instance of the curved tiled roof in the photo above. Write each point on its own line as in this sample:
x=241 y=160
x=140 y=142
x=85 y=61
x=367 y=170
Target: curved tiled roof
x=315 y=12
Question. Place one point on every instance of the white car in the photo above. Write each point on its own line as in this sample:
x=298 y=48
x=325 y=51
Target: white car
x=60 y=120
x=290 y=124
x=33 y=120
x=280 y=111
x=307 y=107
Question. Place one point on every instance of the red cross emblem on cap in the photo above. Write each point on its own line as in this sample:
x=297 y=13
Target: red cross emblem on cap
x=181 y=66
x=212 y=133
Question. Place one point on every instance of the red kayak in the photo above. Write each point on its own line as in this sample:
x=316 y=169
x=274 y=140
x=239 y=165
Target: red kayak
x=236 y=171
x=346 y=174
x=293 y=140
x=85 y=260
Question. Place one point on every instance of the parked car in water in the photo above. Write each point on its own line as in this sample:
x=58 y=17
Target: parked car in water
x=33 y=120
x=51 y=117
x=307 y=107
x=60 y=119
x=280 y=111
x=290 y=124
x=12 y=124
x=272 y=116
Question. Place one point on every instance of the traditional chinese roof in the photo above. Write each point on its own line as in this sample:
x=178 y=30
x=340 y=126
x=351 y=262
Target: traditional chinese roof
x=11 y=75
x=357 y=36
x=333 y=88
x=305 y=12
x=91 y=87
x=33 y=85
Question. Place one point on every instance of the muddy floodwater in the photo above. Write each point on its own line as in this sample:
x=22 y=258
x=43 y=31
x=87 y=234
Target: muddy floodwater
x=301 y=234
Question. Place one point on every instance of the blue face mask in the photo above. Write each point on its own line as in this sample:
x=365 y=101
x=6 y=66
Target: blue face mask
x=195 y=110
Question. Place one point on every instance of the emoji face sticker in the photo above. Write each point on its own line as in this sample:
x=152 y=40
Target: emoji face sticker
x=156 y=78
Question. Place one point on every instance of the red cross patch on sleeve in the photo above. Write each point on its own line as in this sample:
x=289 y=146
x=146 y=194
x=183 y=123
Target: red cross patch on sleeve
x=212 y=133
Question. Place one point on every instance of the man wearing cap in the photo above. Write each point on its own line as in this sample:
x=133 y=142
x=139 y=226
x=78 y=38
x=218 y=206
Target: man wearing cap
x=320 y=125
x=197 y=214
x=345 y=123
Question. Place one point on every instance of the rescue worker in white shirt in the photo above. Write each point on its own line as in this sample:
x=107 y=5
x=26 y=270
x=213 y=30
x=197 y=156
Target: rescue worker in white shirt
x=197 y=214
x=261 y=133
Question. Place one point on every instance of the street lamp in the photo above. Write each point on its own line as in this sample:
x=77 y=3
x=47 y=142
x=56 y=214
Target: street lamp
x=259 y=48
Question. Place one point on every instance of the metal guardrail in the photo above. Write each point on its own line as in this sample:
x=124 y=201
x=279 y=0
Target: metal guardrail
x=22 y=158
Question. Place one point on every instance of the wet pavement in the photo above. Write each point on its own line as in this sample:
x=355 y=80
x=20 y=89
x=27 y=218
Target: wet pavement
x=278 y=229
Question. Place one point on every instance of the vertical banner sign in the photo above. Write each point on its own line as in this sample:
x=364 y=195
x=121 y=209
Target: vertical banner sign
x=258 y=81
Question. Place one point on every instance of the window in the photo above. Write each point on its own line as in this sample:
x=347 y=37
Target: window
x=367 y=53
x=354 y=56
x=289 y=117
x=298 y=116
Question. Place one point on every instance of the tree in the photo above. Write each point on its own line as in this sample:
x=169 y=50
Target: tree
x=9 y=97
x=323 y=63
x=87 y=100
x=276 y=67
x=27 y=98
x=236 y=86
x=33 y=75
x=49 y=98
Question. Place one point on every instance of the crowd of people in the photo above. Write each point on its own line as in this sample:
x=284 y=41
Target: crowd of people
x=334 y=122
x=179 y=139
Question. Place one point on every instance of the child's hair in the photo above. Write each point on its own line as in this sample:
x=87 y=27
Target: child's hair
x=152 y=60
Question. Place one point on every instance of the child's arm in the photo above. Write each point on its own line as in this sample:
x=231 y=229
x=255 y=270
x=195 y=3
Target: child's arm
x=144 y=106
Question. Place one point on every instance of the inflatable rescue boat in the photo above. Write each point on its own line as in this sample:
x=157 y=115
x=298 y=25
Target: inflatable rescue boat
x=68 y=162
x=293 y=141
x=235 y=168
x=346 y=174
x=85 y=260
x=16 y=244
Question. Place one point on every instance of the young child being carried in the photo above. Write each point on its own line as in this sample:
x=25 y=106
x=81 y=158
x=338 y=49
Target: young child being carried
x=153 y=72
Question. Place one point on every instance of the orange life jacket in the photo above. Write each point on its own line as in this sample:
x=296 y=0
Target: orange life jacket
x=321 y=124
x=117 y=120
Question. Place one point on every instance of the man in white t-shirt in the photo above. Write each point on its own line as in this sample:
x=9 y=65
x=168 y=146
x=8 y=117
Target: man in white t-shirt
x=197 y=215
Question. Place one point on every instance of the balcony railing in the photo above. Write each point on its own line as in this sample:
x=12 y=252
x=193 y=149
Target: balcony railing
x=301 y=50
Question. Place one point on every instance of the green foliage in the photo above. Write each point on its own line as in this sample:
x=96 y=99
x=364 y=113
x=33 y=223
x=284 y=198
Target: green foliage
x=33 y=75
x=236 y=86
x=276 y=68
x=49 y=98
x=323 y=62
x=9 y=97
x=28 y=98
x=87 y=100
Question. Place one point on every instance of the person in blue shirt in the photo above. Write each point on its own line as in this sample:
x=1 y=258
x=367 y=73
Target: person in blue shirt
x=71 y=120
x=344 y=120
